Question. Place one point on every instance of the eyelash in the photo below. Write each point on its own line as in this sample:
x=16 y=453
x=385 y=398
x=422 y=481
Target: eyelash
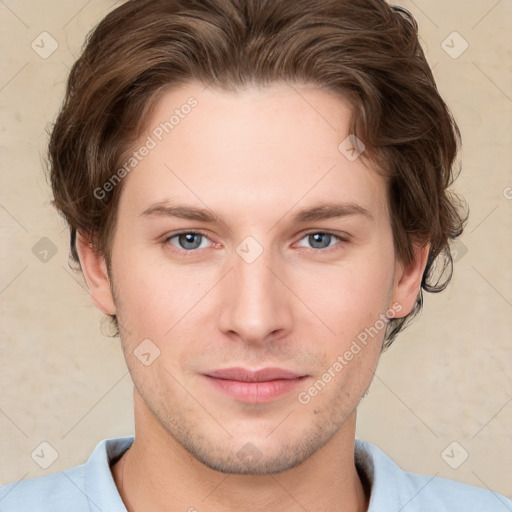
x=191 y=252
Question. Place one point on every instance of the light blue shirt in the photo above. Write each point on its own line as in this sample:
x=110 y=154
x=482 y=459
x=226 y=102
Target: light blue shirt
x=90 y=487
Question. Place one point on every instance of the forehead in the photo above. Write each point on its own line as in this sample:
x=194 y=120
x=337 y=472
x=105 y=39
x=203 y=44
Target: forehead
x=255 y=151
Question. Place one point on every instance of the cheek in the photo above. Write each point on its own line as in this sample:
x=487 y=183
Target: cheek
x=347 y=298
x=153 y=296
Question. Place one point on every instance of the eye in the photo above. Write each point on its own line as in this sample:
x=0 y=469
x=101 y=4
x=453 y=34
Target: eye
x=188 y=240
x=321 y=240
x=191 y=240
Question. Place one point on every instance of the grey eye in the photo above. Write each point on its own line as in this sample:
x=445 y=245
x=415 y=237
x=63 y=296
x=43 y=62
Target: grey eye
x=188 y=241
x=320 y=240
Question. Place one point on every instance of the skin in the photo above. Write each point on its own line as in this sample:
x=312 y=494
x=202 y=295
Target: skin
x=254 y=159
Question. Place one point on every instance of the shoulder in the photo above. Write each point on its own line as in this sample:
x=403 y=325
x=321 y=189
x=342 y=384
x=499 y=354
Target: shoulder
x=85 y=488
x=392 y=488
x=54 y=492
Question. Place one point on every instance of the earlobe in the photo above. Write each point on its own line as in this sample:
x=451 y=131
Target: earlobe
x=408 y=280
x=96 y=275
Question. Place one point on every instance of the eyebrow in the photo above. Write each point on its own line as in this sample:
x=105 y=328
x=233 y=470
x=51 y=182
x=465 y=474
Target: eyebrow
x=315 y=213
x=329 y=211
x=163 y=209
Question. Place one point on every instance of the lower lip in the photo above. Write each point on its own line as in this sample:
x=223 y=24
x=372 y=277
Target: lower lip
x=255 y=392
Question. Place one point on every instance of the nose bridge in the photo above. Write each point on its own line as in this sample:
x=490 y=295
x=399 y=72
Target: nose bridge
x=255 y=303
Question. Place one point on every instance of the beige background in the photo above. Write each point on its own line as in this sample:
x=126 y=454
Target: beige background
x=447 y=378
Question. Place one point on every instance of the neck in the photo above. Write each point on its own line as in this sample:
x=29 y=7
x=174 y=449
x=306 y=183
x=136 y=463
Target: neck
x=158 y=474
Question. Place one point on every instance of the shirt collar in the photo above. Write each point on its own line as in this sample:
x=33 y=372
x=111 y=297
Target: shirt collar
x=100 y=488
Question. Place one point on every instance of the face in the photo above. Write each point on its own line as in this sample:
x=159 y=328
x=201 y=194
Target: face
x=252 y=269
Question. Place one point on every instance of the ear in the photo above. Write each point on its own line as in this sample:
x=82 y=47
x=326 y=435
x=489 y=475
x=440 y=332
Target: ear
x=95 y=272
x=408 y=280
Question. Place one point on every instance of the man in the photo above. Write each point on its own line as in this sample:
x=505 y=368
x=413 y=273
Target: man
x=257 y=195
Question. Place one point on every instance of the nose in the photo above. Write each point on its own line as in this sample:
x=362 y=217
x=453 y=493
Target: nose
x=256 y=305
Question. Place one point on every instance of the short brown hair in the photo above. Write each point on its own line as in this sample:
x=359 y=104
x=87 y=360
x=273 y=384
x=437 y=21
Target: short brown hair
x=364 y=50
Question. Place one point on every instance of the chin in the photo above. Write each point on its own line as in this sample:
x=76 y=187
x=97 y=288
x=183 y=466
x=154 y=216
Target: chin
x=256 y=457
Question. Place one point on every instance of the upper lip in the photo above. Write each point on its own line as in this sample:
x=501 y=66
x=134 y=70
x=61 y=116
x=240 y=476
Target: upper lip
x=246 y=375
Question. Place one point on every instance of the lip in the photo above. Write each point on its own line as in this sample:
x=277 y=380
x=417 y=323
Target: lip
x=254 y=386
x=246 y=375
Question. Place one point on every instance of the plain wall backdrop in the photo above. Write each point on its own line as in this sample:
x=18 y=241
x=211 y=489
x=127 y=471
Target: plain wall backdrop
x=441 y=400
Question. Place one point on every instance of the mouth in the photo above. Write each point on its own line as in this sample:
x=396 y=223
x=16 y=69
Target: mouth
x=254 y=386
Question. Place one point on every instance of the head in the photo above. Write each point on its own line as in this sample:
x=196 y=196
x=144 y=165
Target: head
x=256 y=184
